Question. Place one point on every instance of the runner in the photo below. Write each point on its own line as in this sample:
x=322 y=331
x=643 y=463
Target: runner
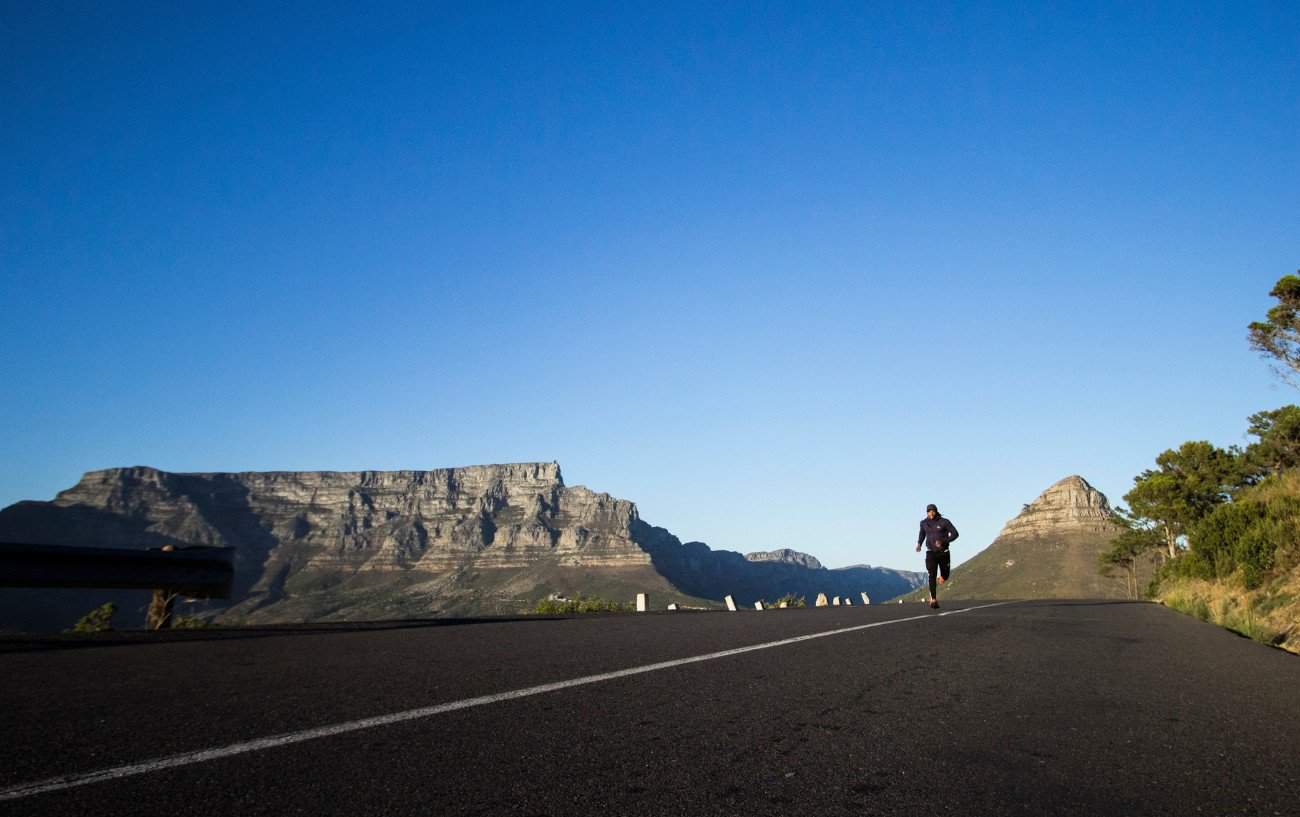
x=936 y=534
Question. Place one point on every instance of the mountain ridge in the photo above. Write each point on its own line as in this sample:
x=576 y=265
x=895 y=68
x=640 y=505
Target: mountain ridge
x=340 y=545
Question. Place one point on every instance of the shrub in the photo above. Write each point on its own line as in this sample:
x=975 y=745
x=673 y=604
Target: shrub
x=1200 y=608
x=1246 y=536
x=1189 y=604
x=791 y=600
x=1191 y=565
x=99 y=620
x=581 y=604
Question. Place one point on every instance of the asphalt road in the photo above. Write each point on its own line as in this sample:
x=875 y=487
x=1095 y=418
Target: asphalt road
x=1040 y=708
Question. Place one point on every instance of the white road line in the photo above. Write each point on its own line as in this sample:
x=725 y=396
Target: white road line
x=188 y=758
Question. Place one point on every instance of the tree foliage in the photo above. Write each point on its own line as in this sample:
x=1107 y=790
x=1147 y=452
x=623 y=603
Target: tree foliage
x=1279 y=439
x=1246 y=537
x=1278 y=337
x=1135 y=540
x=1187 y=483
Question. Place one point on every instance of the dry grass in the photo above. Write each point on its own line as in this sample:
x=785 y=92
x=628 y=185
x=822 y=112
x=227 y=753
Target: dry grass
x=1269 y=614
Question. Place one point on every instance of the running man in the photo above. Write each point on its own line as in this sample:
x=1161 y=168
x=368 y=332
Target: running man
x=936 y=534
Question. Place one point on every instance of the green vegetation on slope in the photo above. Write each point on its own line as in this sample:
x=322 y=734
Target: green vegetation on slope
x=581 y=604
x=1241 y=568
x=1230 y=519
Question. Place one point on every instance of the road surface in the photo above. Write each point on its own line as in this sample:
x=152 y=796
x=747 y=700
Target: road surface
x=1035 y=708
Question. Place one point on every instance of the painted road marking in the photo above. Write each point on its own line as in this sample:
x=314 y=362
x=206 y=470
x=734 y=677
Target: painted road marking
x=257 y=745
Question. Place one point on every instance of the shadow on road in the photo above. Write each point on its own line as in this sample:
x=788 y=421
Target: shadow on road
x=19 y=642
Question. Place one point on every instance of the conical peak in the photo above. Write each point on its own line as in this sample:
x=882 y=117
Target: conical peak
x=1074 y=490
x=1067 y=505
x=1072 y=481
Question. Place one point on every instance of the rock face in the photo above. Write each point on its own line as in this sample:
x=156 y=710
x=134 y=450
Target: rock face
x=1068 y=506
x=1049 y=550
x=327 y=545
x=785 y=556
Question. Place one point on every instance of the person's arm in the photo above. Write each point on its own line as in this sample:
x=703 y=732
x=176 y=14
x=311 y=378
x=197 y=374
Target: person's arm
x=952 y=529
x=920 y=537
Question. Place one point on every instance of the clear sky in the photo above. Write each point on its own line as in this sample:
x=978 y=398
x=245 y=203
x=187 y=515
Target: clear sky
x=781 y=274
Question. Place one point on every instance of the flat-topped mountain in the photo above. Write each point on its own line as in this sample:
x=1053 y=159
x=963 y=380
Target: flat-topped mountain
x=333 y=545
x=1049 y=550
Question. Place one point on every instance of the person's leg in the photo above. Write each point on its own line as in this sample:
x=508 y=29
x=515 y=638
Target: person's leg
x=945 y=565
x=932 y=564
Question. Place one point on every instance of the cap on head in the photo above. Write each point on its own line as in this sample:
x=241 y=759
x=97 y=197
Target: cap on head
x=932 y=507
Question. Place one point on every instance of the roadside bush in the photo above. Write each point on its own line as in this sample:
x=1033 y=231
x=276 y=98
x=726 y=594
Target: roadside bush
x=190 y=623
x=99 y=620
x=1191 y=565
x=1200 y=608
x=582 y=604
x=1191 y=605
x=791 y=600
x=1247 y=536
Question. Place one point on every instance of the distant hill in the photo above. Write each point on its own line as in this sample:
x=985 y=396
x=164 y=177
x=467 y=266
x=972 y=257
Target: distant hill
x=340 y=546
x=1049 y=550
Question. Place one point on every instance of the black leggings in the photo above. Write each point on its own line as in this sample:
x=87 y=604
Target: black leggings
x=940 y=559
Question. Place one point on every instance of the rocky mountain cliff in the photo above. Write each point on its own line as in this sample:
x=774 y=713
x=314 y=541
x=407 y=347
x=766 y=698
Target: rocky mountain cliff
x=1070 y=505
x=785 y=556
x=1049 y=550
x=325 y=545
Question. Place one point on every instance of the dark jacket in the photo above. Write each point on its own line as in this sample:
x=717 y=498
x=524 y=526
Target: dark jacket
x=937 y=533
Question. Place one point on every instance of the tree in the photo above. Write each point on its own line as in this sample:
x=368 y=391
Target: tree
x=1134 y=540
x=1188 y=483
x=1279 y=439
x=1279 y=336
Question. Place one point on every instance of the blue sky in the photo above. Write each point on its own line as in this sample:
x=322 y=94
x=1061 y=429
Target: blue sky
x=781 y=274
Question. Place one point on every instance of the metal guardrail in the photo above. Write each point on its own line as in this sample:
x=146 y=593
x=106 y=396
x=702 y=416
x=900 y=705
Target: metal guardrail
x=203 y=572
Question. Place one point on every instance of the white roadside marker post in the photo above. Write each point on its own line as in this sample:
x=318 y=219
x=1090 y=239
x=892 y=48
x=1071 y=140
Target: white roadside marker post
x=731 y=603
x=866 y=599
x=672 y=606
x=835 y=602
x=642 y=602
x=821 y=600
x=758 y=605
